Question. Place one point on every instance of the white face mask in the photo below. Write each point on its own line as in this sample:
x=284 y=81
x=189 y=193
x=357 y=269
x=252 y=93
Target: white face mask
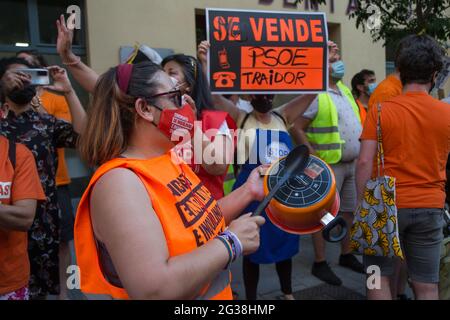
x=174 y=81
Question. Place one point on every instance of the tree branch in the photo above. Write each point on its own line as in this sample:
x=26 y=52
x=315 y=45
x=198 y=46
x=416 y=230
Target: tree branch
x=388 y=13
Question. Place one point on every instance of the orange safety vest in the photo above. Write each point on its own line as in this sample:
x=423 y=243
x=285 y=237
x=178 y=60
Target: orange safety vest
x=189 y=216
x=362 y=112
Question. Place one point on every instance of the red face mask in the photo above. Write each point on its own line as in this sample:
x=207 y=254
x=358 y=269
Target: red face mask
x=182 y=119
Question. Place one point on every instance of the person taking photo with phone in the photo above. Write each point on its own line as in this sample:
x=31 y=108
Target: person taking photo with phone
x=43 y=134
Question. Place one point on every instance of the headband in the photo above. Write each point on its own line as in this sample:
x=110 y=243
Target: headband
x=124 y=72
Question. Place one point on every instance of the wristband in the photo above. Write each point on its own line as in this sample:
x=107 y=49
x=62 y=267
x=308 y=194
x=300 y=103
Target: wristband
x=237 y=243
x=73 y=63
x=228 y=246
x=233 y=240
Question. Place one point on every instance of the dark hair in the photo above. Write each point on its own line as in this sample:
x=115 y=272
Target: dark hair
x=193 y=73
x=403 y=44
x=419 y=61
x=2 y=95
x=111 y=116
x=360 y=79
x=5 y=63
x=40 y=61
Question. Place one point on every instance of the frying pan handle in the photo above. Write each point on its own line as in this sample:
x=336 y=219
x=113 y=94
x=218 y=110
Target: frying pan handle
x=338 y=221
x=262 y=206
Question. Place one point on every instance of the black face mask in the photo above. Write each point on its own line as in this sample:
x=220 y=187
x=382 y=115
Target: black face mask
x=24 y=96
x=263 y=103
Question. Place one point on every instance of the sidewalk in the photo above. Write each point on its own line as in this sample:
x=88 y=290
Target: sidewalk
x=305 y=286
x=353 y=286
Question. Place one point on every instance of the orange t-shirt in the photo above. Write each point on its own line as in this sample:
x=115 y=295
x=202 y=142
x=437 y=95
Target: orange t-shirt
x=416 y=141
x=387 y=89
x=15 y=185
x=58 y=107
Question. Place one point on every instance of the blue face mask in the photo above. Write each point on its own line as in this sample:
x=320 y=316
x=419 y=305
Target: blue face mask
x=371 y=88
x=338 y=70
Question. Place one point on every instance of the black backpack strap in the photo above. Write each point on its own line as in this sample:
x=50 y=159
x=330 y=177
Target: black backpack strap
x=12 y=152
x=277 y=114
x=236 y=166
x=244 y=121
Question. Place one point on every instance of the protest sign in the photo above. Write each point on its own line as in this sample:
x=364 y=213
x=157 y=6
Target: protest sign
x=267 y=52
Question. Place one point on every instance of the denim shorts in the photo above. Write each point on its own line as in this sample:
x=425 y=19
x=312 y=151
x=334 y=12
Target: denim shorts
x=421 y=238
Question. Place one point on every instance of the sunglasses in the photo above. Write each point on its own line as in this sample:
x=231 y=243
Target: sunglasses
x=175 y=96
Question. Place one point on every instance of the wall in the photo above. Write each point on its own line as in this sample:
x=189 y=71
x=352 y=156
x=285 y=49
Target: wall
x=171 y=24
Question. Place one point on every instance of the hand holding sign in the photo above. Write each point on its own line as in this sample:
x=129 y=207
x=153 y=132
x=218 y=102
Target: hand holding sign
x=333 y=52
x=202 y=53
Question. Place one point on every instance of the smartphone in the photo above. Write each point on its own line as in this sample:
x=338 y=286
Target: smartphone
x=39 y=77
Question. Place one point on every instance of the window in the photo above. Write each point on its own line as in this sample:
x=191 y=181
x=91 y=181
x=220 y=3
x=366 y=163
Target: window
x=200 y=25
x=14 y=19
x=31 y=25
x=48 y=12
x=391 y=48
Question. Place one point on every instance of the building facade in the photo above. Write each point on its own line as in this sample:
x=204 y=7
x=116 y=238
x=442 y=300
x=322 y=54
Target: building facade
x=179 y=25
x=108 y=26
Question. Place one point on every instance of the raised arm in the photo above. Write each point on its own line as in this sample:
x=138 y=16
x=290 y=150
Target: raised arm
x=296 y=107
x=299 y=133
x=142 y=261
x=219 y=101
x=62 y=85
x=84 y=75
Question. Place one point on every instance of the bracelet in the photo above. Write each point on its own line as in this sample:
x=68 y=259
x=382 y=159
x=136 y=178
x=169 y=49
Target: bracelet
x=74 y=63
x=233 y=240
x=237 y=243
x=230 y=253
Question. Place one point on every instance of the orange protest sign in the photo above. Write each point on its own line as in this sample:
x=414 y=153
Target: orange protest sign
x=267 y=52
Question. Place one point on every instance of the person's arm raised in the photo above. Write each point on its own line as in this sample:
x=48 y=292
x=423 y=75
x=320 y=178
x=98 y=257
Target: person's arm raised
x=85 y=76
x=299 y=133
x=132 y=233
x=295 y=108
x=219 y=101
x=62 y=84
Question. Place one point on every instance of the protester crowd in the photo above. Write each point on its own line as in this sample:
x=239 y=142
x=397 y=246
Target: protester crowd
x=170 y=231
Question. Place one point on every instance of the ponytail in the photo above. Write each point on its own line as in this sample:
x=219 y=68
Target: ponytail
x=112 y=116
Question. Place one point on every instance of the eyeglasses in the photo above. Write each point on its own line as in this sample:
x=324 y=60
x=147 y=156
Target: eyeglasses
x=175 y=96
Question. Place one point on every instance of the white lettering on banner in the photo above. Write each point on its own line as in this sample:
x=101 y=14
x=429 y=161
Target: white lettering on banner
x=5 y=190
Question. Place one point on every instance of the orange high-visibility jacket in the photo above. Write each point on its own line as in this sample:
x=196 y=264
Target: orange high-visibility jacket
x=362 y=112
x=189 y=215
